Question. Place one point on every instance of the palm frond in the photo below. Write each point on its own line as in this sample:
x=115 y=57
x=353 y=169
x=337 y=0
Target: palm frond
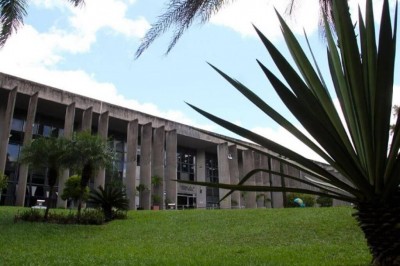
x=11 y=17
x=180 y=15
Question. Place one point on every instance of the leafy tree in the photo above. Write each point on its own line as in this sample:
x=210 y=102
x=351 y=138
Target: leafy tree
x=12 y=16
x=141 y=188
x=50 y=153
x=88 y=153
x=359 y=147
x=3 y=181
x=73 y=189
x=182 y=13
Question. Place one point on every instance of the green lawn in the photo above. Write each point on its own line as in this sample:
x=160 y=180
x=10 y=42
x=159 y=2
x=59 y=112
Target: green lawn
x=309 y=236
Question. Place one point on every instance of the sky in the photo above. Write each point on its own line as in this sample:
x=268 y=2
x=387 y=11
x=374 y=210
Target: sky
x=90 y=51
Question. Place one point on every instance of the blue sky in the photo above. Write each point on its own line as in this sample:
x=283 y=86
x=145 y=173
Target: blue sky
x=90 y=51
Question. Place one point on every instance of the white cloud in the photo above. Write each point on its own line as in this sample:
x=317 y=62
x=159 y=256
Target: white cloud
x=96 y=15
x=286 y=139
x=35 y=55
x=241 y=14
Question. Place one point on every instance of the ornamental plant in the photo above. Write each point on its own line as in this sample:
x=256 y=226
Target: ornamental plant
x=360 y=147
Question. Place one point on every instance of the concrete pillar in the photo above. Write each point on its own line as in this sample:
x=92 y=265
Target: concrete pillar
x=276 y=181
x=5 y=127
x=248 y=165
x=102 y=130
x=158 y=152
x=24 y=168
x=234 y=175
x=223 y=174
x=170 y=168
x=87 y=120
x=201 y=177
x=258 y=180
x=68 y=131
x=266 y=180
x=132 y=139
x=145 y=165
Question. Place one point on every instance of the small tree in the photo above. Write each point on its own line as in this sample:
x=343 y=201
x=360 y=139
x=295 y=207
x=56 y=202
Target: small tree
x=47 y=153
x=73 y=189
x=88 y=153
x=156 y=181
x=3 y=182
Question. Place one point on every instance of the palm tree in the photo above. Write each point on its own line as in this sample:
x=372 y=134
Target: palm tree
x=360 y=147
x=182 y=13
x=12 y=16
x=47 y=153
x=88 y=153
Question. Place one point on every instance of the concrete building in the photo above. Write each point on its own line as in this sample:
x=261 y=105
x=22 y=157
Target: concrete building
x=146 y=146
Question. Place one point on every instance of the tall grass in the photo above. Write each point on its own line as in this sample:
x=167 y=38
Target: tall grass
x=308 y=236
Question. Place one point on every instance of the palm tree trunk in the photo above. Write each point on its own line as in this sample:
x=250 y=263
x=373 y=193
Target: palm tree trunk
x=87 y=173
x=52 y=176
x=380 y=223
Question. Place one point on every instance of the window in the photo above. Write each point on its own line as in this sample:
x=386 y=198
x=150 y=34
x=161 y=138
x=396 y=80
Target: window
x=17 y=124
x=186 y=164
x=212 y=194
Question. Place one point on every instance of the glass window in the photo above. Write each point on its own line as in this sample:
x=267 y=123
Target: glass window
x=212 y=194
x=186 y=164
x=17 y=124
x=13 y=152
x=47 y=130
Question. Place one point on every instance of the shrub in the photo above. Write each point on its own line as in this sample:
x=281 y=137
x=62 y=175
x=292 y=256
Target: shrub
x=29 y=215
x=3 y=181
x=73 y=189
x=92 y=216
x=62 y=218
x=325 y=201
x=109 y=200
x=308 y=200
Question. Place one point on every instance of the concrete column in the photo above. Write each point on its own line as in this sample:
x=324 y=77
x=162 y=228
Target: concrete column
x=223 y=174
x=248 y=165
x=291 y=171
x=234 y=175
x=258 y=180
x=102 y=130
x=201 y=177
x=145 y=165
x=24 y=168
x=87 y=120
x=132 y=139
x=158 y=152
x=170 y=168
x=6 y=120
x=266 y=180
x=68 y=131
x=276 y=181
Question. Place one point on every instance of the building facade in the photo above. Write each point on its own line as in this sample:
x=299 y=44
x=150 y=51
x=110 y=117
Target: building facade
x=147 y=147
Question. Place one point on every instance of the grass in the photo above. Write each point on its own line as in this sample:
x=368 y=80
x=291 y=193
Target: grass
x=307 y=236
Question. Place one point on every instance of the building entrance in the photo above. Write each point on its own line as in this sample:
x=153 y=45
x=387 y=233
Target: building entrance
x=186 y=201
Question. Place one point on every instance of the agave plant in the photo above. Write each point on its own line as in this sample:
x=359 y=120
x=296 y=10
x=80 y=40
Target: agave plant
x=359 y=146
x=108 y=199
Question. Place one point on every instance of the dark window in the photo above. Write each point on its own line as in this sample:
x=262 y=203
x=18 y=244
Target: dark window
x=186 y=164
x=212 y=194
